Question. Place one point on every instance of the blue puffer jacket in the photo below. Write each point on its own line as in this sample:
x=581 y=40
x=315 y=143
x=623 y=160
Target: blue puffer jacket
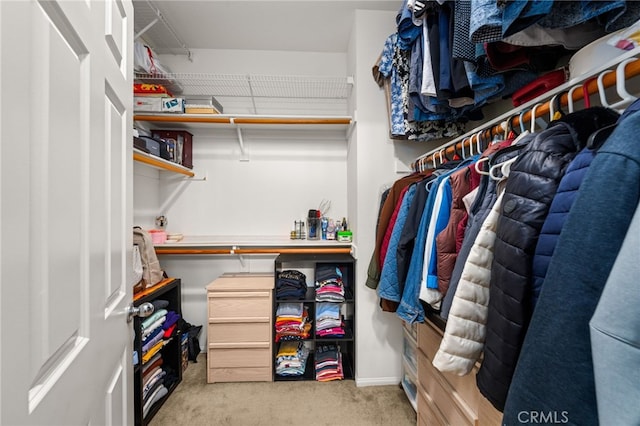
x=560 y=206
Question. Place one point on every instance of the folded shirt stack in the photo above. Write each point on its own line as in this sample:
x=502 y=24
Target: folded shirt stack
x=328 y=363
x=328 y=320
x=291 y=358
x=292 y=322
x=157 y=379
x=291 y=285
x=329 y=286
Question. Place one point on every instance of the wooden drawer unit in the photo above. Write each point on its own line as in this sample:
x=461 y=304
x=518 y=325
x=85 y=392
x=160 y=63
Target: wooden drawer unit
x=428 y=413
x=445 y=398
x=239 y=330
x=464 y=387
x=239 y=305
x=236 y=332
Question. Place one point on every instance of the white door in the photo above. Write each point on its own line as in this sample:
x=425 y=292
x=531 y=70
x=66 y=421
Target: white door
x=65 y=212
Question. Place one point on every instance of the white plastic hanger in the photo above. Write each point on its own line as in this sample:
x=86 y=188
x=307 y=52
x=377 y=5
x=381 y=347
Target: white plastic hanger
x=521 y=120
x=533 y=117
x=480 y=160
x=504 y=168
x=552 y=106
x=621 y=80
x=478 y=143
x=626 y=97
x=570 y=98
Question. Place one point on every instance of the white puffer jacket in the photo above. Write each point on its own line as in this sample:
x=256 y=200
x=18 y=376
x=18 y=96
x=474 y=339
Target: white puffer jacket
x=465 y=332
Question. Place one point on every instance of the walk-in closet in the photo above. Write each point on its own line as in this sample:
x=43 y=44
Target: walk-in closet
x=365 y=212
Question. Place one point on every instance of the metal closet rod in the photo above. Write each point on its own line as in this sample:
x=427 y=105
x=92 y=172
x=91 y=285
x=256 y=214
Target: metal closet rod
x=631 y=70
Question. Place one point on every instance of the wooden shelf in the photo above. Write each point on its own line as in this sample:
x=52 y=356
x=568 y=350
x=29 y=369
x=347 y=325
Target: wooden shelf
x=263 y=121
x=150 y=290
x=160 y=163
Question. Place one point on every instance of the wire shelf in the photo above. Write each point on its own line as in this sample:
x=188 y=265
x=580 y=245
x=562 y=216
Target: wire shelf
x=262 y=94
x=254 y=85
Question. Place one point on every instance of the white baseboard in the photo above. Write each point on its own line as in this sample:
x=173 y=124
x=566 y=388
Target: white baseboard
x=378 y=381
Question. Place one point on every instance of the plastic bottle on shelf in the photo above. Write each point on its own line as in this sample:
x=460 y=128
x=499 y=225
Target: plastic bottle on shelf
x=324 y=225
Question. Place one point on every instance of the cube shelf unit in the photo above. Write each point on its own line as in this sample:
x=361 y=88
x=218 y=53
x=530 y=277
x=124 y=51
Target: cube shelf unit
x=307 y=264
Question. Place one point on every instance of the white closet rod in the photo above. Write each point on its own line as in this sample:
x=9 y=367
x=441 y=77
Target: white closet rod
x=495 y=126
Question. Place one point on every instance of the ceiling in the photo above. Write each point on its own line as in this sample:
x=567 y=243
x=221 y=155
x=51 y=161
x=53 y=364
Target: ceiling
x=293 y=25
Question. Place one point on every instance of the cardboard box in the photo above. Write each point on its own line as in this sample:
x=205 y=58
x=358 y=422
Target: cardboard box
x=203 y=102
x=157 y=104
x=147 y=104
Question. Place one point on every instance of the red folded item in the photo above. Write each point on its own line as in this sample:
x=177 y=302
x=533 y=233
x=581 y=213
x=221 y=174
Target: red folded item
x=538 y=87
x=169 y=331
x=144 y=89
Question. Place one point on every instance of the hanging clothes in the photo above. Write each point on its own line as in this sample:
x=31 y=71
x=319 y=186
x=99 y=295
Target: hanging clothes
x=373 y=272
x=389 y=286
x=615 y=336
x=446 y=240
x=533 y=182
x=558 y=212
x=410 y=309
x=410 y=231
x=557 y=342
x=465 y=332
x=486 y=197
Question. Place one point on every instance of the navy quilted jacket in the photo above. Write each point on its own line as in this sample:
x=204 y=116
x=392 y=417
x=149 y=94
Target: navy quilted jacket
x=560 y=206
x=531 y=186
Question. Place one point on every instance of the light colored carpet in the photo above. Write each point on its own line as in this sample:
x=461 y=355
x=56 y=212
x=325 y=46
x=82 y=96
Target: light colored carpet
x=337 y=403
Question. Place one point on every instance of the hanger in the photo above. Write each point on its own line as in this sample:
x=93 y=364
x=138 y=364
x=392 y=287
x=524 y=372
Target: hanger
x=585 y=92
x=601 y=88
x=482 y=140
x=570 y=98
x=504 y=168
x=626 y=98
x=621 y=80
x=533 y=117
x=480 y=160
x=600 y=136
x=521 y=120
x=478 y=147
x=555 y=108
x=456 y=154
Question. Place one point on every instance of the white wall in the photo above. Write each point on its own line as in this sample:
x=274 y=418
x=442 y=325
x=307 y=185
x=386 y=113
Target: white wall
x=371 y=165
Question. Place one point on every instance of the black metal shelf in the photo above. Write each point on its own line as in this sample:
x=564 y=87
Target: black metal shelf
x=171 y=351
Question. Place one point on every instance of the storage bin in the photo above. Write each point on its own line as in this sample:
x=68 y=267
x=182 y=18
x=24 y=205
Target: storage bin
x=183 y=142
x=152 y=145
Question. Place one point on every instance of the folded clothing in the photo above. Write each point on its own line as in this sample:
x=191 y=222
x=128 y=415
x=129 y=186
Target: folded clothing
x=291 y=285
